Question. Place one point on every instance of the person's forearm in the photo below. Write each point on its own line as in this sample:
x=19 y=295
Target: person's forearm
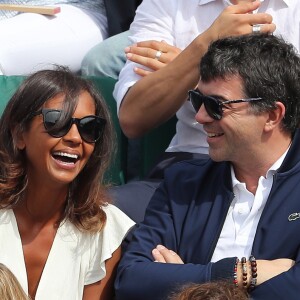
x=266 y=269
x=283 y=286
x=157 y=97
x=139 y=279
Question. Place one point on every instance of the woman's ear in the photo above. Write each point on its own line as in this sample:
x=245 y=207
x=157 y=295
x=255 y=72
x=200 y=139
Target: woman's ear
x=275 y=116
x=17 y=135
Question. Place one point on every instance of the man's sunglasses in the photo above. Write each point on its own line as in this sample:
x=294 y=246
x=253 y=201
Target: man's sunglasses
x=213 y=106
x=90 y=128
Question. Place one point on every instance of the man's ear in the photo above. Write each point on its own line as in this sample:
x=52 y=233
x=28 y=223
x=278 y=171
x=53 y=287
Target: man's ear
x=17 y=134
x=275 y=116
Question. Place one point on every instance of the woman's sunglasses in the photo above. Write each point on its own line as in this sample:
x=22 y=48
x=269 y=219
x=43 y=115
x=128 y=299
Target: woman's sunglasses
x=213 y=106
x=90 y=128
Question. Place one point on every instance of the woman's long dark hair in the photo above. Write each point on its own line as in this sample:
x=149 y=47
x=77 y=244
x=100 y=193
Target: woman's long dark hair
x=87 y=195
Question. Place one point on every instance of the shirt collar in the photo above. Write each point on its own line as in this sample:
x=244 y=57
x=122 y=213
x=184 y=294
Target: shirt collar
x=272 y=170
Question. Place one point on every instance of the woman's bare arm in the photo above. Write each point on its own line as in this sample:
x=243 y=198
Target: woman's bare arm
x=104 y=289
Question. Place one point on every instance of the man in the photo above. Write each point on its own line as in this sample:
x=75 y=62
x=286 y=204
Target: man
x=244 y=200
x=144 y=103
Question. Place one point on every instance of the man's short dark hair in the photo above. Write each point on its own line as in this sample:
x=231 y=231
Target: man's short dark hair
x=268 y=66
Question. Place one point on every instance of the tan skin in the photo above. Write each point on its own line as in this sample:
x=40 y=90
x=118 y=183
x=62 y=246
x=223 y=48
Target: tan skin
x=267 y=269
x=138 y=116
x=40 y=210
x=37 y=236
x=248 y=151
x=169 y=70
x=105 y=286
x=144 y=53
x=235 y=123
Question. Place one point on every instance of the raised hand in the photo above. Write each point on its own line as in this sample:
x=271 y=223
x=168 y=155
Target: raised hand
x=239 y=19
x=153 y=55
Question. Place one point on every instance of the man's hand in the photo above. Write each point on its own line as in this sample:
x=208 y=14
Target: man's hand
x=164 y=255
x=144 y=53
x=237 y=20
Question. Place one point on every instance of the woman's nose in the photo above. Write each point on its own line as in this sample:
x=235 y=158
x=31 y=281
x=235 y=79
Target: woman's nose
x=73 y=134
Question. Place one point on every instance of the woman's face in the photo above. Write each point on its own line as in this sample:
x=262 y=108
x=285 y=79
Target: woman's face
x=57 y=161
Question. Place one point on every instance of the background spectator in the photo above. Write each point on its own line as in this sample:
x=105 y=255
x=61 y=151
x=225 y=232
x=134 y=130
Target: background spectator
x=30 y=42
x=145 y=102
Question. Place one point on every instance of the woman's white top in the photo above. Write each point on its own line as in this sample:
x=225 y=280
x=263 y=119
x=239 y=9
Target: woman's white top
x=75 y=259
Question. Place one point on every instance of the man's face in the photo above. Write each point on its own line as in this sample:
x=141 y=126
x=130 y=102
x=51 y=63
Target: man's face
x=238 y=135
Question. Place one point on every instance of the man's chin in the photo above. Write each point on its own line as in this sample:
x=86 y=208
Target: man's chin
x=217 y=157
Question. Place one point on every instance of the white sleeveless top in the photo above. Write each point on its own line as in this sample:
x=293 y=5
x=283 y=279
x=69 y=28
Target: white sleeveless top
x=75 y=259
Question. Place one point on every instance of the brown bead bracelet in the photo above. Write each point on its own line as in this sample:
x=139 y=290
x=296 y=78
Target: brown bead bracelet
x=253 y=280
x=244 y=271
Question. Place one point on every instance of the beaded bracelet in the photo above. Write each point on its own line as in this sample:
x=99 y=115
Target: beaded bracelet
x=253 y=273
x=244 y=270
x=235 y=281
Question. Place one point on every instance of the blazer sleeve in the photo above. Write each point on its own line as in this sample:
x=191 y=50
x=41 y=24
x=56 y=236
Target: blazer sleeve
x=138 y=276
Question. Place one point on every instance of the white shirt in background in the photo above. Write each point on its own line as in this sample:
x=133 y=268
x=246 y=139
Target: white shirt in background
x=178 y=22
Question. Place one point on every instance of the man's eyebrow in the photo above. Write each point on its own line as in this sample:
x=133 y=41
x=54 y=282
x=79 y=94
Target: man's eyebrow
x=219 y=97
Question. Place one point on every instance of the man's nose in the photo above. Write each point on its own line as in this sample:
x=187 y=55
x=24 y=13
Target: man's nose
x=202 y=116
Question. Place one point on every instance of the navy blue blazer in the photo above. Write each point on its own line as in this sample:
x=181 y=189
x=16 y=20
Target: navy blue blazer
x=186 y=214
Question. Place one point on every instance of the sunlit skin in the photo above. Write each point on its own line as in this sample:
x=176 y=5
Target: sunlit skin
x=237 y=135
x=40 y=210
x=40 y=146
x=242 y=137
x=143 y=52
x=251 y=142
x=161 y=89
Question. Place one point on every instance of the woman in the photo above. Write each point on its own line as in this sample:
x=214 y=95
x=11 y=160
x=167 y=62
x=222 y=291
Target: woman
x=62 y=240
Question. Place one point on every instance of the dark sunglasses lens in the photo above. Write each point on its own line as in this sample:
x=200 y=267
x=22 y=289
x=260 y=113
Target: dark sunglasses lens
x=91 y=128
x=196 y=100
x=50 y=121
x=213 y=108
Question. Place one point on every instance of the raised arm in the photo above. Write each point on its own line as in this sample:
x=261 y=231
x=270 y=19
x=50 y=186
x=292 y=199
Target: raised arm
x=157 y=97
